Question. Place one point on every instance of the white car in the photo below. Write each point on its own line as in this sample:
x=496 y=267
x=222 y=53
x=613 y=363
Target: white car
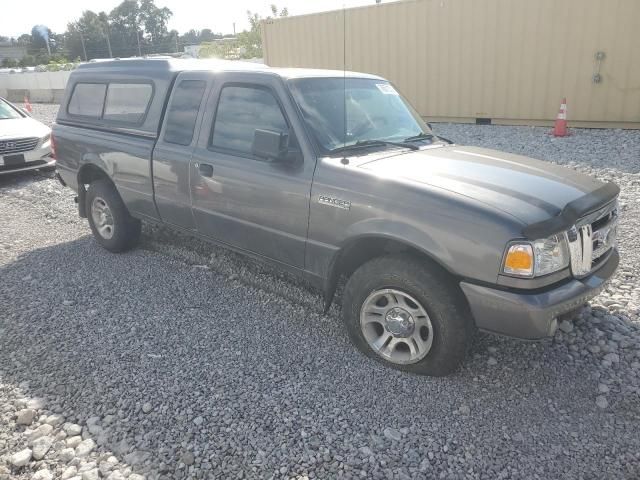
x=25 y=143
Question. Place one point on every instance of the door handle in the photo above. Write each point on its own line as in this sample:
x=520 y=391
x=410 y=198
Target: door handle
x=205 y=169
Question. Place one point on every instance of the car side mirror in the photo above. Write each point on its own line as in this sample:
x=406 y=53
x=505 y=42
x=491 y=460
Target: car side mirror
x=270 y=145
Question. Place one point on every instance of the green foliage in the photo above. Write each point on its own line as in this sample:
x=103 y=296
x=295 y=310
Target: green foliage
x=247 y=44
x=28 y=61
x=10 y=63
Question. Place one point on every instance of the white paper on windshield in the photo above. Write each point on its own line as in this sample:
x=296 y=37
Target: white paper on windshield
x=386 y=88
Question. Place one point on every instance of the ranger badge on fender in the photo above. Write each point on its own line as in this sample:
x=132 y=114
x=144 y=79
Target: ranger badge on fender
x=334 y=202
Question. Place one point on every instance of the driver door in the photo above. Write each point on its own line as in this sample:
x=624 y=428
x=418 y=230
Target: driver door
x=242 y=200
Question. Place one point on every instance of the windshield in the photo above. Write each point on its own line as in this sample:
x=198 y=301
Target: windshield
x=374 y=111
x=7 y=111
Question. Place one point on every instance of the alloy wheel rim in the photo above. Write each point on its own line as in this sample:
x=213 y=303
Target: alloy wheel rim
x=396 y=326
x=102 y=218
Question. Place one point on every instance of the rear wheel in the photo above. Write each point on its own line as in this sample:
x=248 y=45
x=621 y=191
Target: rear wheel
x=408 y=316
x=112 y=225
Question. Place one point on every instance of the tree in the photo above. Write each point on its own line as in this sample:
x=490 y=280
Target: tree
x=206 y=35
x=125 y=29
x=9 y=63
x=191 y=37
x=155 y=22
x=251 y=42
x=24 y=39
x=88 y=35
x=140 y=27
x=248 y=44
x=195 y=37
x=28 y=61
x=133 y=27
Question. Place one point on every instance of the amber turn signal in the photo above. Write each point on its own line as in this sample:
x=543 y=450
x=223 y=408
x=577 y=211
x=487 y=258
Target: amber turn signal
x=519 y=260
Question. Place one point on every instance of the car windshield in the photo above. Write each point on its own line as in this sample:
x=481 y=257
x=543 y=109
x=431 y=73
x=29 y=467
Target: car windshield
x=371 y=108
x=7 y=111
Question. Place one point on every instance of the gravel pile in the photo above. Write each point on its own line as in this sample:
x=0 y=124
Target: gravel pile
x=181 y=360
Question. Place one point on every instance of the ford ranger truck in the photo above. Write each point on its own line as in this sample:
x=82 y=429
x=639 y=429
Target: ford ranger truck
x=333 y=176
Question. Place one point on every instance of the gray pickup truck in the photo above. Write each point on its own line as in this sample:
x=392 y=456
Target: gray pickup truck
x=332 y=176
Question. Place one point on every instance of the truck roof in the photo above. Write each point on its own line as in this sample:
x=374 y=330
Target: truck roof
x=160 y=73
x=160 y=67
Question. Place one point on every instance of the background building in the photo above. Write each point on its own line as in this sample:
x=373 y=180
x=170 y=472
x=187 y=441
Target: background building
x=504 y=61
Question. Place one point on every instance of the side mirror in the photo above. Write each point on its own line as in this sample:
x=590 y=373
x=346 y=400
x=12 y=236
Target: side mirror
x=270 y=145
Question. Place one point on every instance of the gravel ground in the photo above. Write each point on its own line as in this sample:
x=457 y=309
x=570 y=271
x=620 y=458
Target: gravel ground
x=182 y=360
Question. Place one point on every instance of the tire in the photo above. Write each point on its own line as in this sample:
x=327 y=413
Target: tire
x=112 y=225
x=379 y=301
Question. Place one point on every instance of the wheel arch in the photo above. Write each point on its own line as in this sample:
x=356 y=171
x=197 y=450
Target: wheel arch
x=359 y=250
x=87 y=174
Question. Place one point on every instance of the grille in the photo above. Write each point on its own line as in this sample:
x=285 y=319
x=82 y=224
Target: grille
x=592 y=239
x=7 y=147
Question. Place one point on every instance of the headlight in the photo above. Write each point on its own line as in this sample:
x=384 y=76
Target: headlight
x=44 y=140
x=537 y=258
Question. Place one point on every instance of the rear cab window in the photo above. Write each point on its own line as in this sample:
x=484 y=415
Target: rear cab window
x=183 y=112
x=127 y=102
x=87 y=100
x=113 y=102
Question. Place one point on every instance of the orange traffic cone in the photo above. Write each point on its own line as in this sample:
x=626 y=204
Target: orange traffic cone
x=560 y=127
x=27 y=104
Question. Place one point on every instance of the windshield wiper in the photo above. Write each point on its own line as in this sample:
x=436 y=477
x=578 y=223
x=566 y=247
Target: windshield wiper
x=360 y=144
x=420 y=136
x=427 y=136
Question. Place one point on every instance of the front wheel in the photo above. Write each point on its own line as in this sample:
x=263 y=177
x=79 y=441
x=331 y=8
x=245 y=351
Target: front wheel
x=408 y=315
x=112 y=225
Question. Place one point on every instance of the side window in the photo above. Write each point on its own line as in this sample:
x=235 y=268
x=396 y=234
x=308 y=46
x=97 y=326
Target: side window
x=183 y=111
x=242 y=110
x=87 y=100
x=127 y=102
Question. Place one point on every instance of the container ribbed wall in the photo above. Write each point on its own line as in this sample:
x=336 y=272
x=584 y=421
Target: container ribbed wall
x=508 y=60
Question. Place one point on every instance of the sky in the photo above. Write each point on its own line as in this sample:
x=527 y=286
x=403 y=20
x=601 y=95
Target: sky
x=218 y=15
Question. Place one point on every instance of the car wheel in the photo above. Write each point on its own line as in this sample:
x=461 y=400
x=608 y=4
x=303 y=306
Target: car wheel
x=112 y=225
x=408 y=315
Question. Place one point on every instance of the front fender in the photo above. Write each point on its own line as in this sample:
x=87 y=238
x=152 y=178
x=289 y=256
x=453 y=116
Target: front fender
x=404 y=233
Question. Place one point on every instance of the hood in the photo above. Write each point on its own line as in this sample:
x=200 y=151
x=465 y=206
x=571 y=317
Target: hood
x=530 y=190
x=21 y=128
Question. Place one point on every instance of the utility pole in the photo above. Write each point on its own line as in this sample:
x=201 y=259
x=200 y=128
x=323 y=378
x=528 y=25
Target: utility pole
x=109 y=44
x=84 y=50
x=109 y=47
x=104 y=28
x=177 y=43
x=138 y=38
x=234 y=29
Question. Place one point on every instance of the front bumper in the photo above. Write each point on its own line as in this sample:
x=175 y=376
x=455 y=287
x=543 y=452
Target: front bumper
x=33 y=160
x=534 y=315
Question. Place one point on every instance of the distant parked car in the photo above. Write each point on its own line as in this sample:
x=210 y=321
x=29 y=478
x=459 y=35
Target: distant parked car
x=25 y=143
